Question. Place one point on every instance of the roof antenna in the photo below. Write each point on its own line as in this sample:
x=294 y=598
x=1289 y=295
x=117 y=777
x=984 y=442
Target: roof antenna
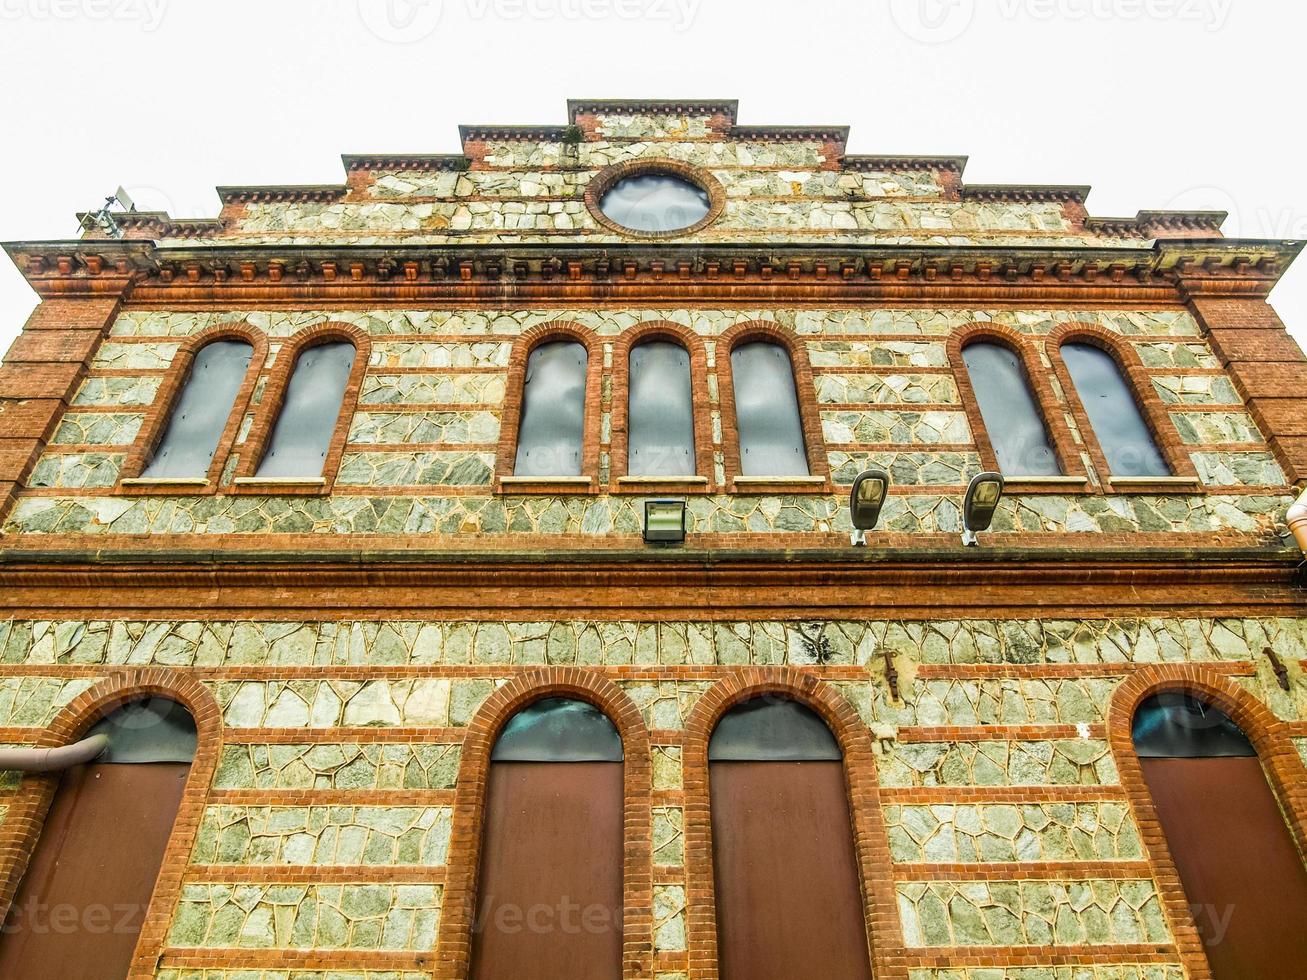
x=104 y=218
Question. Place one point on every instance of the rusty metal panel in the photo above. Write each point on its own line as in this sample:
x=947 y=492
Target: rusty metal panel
x=309 y=413
x=550 y=435
x=1012 y=418
x=1241 y=871
x=788 y=900
x=80 y=906
x=202 y=410
x=1120 y=427
x=549 y=904
x=661 y=411
x=767 y=411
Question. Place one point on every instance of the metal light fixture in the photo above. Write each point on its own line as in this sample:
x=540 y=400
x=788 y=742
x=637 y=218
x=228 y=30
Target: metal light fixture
x=865 y=501
x=983 y=495
x=664 y=520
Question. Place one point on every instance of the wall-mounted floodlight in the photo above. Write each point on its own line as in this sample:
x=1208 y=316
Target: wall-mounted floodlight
x=983 y=495
x=865 y=501
x=664 y=520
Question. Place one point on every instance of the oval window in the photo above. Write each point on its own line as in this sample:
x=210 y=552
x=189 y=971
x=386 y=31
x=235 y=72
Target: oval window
x=655 y=202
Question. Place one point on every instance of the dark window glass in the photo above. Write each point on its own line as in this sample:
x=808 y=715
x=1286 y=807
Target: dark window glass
x=1242 y=874
x=201 y=411
x=549 y=899
x=1012 y=419
x=100 y=850
x=780 y=813
x=655 y=202
x=772 y=729
x=767 y=411
x=302 y=435
x=553 y=411
x=559 y=730
x=1124 y=436
x=661 y=411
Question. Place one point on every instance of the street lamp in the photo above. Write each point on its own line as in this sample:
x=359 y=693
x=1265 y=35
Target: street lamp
x=983 y=495
x=865 y=501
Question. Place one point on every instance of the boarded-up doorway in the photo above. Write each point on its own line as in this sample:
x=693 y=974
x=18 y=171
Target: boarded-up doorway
x=549 y=901
x=789 y=902
x=80 y=906
x=1241 y=871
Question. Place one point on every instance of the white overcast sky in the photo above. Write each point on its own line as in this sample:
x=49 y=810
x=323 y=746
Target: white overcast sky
x=1156 y=103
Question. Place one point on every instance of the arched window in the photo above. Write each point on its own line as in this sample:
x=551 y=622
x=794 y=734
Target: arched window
x=1242 y=873
x=780 y=814
x=660 y=411
x=767 y=411
x=201 y=411
x=81 y=903
x=552 y=428
x=309 y=413
x=1012 y=418
x=1113 y=413
x=552 y=847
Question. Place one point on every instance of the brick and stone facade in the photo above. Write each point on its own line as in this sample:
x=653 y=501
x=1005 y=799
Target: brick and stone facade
x=350 y=647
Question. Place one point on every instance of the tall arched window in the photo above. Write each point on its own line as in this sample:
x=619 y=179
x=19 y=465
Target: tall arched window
x=1012 y=418
x=309 y=413
x=1113 y=412
x=660 y=411
x=549 y=902
x=201 y=411
x=780 y=814
x=1241 y=871
x=82 y=901
x=552 y=428
x=767 y=411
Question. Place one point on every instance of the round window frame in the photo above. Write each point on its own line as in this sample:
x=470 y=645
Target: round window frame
x=606 y=179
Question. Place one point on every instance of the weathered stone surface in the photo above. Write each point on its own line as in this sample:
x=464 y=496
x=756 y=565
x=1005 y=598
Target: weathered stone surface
x=1082 y=762
x=669 y=918
x=1239 y=469
x=323 y=835
x=997 y=701
x=907 y=468
x=100 y=429
x=326 y=704
x=920 y=428
x=287 y=916
x=668 y=835
x=76 y=470
x=34 y=701
x=432 y=389
x=1143 y=971
x=414 y=643
x=117 y=391
x=371 y=765
x=453 y=428
x=885 y=389
x=952 y=833
x=1199 y=428
x=1031 y=913
x=1194 y=389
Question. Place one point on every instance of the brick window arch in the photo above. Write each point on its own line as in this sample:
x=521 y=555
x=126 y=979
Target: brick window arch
x=870 y=840
x=1131 y=371
x=167 y=401
x=1043 y=400
x=26 y=816
x=454 y=946
x=269 y=411
x=692 y=343
x=1282 y=767
x=818 y=478
x=510 y=424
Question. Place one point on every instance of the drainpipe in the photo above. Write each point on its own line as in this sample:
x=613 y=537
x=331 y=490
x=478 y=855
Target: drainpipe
x=54 y=759
x=1296 y=518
